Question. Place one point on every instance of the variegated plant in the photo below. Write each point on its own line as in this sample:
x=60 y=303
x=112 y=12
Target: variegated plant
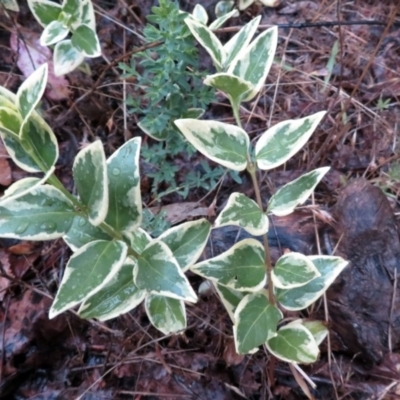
x=71 y=27
x=241 y=273
x=115 y=264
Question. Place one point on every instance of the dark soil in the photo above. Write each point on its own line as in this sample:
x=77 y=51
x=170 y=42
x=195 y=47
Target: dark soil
x=126 y=358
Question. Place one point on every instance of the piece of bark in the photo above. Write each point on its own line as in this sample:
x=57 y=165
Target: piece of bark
x=360 y=300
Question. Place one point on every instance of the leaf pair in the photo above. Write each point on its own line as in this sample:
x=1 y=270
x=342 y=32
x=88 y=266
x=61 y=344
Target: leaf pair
x=229 y=145
x=72 y=16
x=256 y=319
x=28 y=139
x=243 y=67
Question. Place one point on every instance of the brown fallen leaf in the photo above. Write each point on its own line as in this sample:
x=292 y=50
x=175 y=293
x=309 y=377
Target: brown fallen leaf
x=178 y=212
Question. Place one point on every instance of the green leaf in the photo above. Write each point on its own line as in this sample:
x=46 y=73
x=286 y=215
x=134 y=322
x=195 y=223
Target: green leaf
x=31 y=91
x=299 y=298
x=244 y=212
x=242 y=267
x=256 y=322
x=222 y=19
x=24 y=186
x=294 y=343
x=66 y=58
x=88 y=270
x=208 y=40
x=91 y=181
x=125 y=202
x=200 y=14
x=223 y=143
x=10 y=120
x=235 y=88
x=138 y=239
x=240 y=41
x=118 y=297
x=295 y=193
x=73 y=10
x=42 y=214
x=187 y=241
x=281 y=142
x=230 y=298
x=53 y=33
x=45 y=11
x=159 y=273
x=293 y=270
x=83 y=232
x=254 y=62
x=166 y=314
x=85 y=40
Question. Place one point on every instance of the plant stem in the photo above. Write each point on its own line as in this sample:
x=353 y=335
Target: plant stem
x=251 y=169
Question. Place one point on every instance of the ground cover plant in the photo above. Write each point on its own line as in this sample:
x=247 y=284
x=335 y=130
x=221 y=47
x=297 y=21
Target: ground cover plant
x=100 y=221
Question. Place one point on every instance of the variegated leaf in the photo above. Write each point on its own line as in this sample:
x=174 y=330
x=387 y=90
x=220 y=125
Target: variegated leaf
x=87 y=17
x=83 y=232
x=200 y=14
x=293 y=270
x=256 y=321
x=240 y=41
x=118 y=297
x=66 y=58
x=11 y=5
x=223 y=18
x=45 y=11
x=235 y=88
x=73 y=9
x=31 y=91
x=294 y=343
x=187 y=241
x=223 y=143
x=10 y=120
x=90 y=177
x=53 y=33
x=253 y=63
x=281 y=142
x=166 y=314
x=138 y=239
x=88 y=270
x=125 y=202
x=244 y=212
x=208 y=40
x=42 y=214
x=295 y=193
x=159 y=273
x=299 y=298
x=85 y=40
x=24 y=186
x=242 y=267
x=317 y=328
x=230 y=298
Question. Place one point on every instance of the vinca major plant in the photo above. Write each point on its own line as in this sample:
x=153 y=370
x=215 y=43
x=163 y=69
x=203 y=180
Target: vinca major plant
x=116 y=265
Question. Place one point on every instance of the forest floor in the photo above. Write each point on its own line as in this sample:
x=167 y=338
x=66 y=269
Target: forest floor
x=351 y=70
